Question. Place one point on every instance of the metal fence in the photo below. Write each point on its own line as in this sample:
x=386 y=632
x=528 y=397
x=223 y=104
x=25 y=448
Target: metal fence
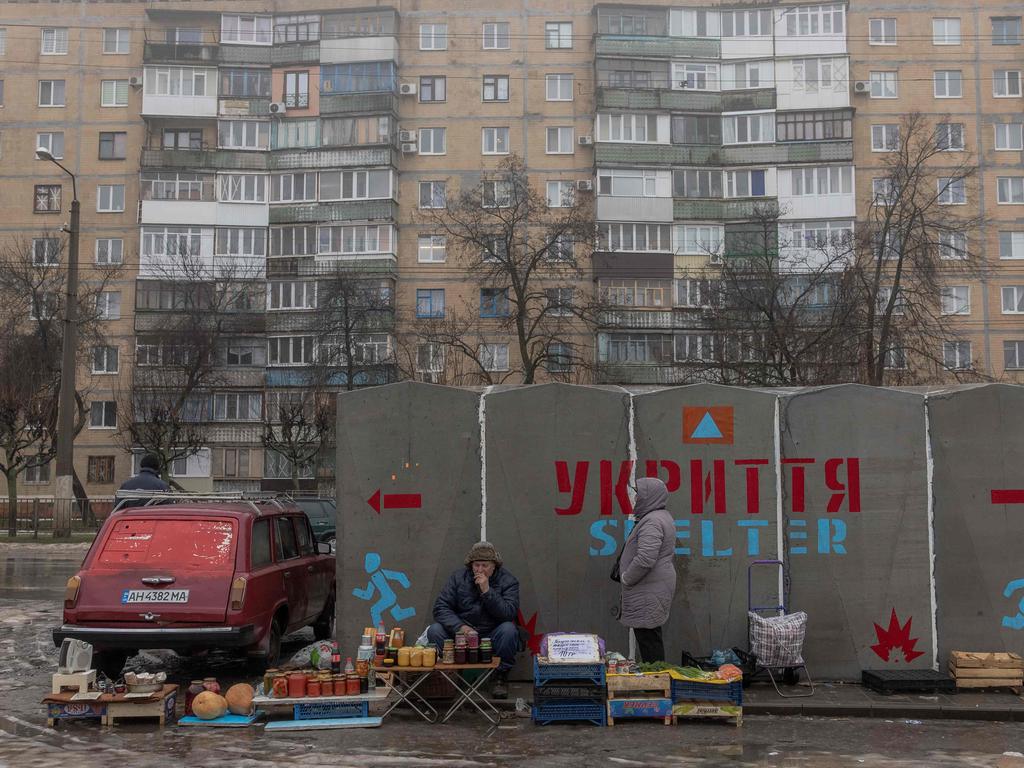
x=38 y=515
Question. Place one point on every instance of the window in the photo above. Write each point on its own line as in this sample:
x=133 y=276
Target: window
x=101 y=470
x=177 y=81
x=952 y=246
x=882 y=31
x=493 y=357
x=561 y=248
x=687 y=76
x=103 y=414
x=649 y=238
x=1010 y=190
x=948 y=84
x=748 y=129
x=355 y=185
x=296 y=89
x=812 y=75
x=54 y=42
x=883 y=85
x=235 y=462
x=238 y=406
x=242 y=188
x=946 y=31
x=558 y=34
x=747 y=23
x=1013 y=354
x=433 y=194
x=634 y=348
x=113 y=145
x=748 y=74
x=745 y=183
x=349 y=131
x=432 y=141
x=245 y=83
x=628 y=128
x=691 y=23
x=559 y=301
x=37 y=474
x=1005 y=30
x=113 y=93
x=429 y=358
x=293 y=241
x=496 y=36
x=116 y=40
x=46 y=198
x=816 y=235
x=813 y=20
x=822 y=180
x=559 y=358
x=560 y=141
x=956 y=300
x=559 y=87
x=292 y=294
x=45 y=305
x=110 y=198
x=355 y=239
x=53 y=142
x=432 y=88
x=51 y=93
x=244 y=353
x=243 y=134
x=496 y=193
x=3 y=41
x=109 y=250
x=293 y=187
x=949 y=137
x=495 y=88
x=697 y=292
x=494 y=141
x=173 y=242
x=45 y=251
x=701 y=240
x=882 y=191
x=627 y=183
x=182 y=139
x=432 y=249
x=885 y=138
x=248 y=30
x=108 y=305
x=494 y=302
x=430 y=302
x=290 y=350
x=296 y=29
x=433 y=37
x=694 y=129
x=294 y=134
x=694 y=347
x=1013 y=299
x=697 y=183
x=561 y=194
x=1006 y=83
x=814 y=126
x=104 y=359
x=956 y=355
x=1011 y=245
x=247 y=242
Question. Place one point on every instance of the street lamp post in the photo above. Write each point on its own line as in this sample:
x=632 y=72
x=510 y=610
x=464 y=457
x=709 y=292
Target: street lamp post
x=64 y=488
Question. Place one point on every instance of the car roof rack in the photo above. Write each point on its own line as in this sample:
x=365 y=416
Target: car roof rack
x=155 y=498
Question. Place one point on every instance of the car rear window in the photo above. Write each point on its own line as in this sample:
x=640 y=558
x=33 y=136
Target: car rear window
x=303 y=536
x=260 y=554
x=189 y=544
x=285 y=540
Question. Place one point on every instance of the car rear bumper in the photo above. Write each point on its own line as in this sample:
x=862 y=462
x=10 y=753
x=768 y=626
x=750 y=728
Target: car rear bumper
x=159 y=637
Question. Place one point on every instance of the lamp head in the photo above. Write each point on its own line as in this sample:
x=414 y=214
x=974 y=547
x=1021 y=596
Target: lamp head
x=42 y=153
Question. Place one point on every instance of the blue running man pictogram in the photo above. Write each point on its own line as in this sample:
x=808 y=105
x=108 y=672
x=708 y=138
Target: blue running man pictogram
x=378 y=584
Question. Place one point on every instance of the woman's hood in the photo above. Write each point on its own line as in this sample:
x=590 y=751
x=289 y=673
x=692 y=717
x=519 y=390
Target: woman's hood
x=651 y=494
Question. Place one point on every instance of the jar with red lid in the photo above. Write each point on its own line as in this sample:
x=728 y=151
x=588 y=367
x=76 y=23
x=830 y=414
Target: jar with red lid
x=312 y=686
x=280 y=686
x=296 y=685
x=327 y=686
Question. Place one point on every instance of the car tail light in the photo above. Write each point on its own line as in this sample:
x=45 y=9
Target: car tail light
x=71 y=591
x=237 y=593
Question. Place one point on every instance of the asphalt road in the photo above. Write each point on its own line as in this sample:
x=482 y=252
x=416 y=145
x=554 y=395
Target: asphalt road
x=31 y=585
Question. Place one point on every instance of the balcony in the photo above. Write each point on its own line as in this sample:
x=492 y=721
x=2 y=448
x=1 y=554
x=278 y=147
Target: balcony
x=718 y=210
x=633 y=319
x=640 y=46
x=354 y=103
x=361 y=210
x=204 y=159
x=287 y=160
x=634 y=208
x=790 y=152
x=688 y=101
x=353 y=49
x=171 y=53
x=295 y=53
x=245 y=54
x=644 y=155
x=155 y=321
x=639 y=373
x=179 y=106
x=244 y=107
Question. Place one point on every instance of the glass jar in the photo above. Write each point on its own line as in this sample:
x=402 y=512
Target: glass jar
x=280 y=686
x=313 y=686
x=327 y=687
x=193 y=690
x=403 y=656
x=211 y=684
x=268 y=680
x=352 y=685
x=460 y=654
x=296 y=685
x=416 y=657
x=429 y=656
x=472 y=655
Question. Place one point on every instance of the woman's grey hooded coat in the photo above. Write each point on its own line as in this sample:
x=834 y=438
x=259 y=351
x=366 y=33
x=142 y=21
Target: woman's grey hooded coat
x=647 y=565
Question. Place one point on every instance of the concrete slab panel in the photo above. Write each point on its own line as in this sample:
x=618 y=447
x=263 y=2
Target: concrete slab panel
x=555 y=458
x=856 y=527
x=977 y=441
x=412 y=449
x=714 y=446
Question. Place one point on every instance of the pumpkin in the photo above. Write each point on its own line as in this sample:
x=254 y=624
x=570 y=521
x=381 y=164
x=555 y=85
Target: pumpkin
x=239 y=698
x=209 y=705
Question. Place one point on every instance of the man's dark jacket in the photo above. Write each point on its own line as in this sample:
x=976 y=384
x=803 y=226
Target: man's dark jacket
x=461 y=602
x=146 y=480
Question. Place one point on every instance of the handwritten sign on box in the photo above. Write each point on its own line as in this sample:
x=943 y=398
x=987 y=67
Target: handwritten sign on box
x=572 y=648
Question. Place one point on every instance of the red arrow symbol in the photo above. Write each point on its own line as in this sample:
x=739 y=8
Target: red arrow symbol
x=1008 y=496
x=395 y=501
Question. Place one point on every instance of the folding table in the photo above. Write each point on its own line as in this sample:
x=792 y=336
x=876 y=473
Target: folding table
x=468 y=692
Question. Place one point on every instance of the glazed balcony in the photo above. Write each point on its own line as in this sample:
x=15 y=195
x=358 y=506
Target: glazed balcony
x=378 y=102
x=204 y=159
x=173 y=53
x=688 y=101
x=358 y=210
x=646 y=155
x=294 y=159
x=284 y=54
x=718 y=210
x=649 y=46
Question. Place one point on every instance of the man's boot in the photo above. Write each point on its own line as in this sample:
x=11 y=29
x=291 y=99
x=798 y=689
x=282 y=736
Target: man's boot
x=500 y=688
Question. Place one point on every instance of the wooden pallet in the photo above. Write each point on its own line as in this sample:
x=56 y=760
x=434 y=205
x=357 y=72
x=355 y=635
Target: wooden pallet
x=710 y=709
x=987 y=670
x=636 y=695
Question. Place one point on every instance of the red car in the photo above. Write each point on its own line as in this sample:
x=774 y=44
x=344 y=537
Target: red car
x=191 y=576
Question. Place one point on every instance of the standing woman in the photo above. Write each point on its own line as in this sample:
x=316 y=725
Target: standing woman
x=648 y=573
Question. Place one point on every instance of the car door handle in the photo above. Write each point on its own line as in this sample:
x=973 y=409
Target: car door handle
x=287 y=574
x=310 y=568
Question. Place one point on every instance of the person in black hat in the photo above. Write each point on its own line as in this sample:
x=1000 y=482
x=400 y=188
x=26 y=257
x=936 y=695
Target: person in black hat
x=148 y=478
x=484 y=597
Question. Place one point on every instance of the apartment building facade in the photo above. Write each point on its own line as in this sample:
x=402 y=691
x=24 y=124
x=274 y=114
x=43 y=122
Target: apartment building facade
x=260 y=151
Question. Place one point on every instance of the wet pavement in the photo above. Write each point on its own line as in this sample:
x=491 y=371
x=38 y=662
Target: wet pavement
x=31 y=586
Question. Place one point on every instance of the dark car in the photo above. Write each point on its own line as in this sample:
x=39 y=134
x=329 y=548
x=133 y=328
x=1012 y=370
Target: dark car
x=196 y=575
x=322 y=514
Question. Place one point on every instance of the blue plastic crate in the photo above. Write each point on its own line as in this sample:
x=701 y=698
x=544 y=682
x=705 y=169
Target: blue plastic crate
x=583 y=673
x=326 y=710
x=694 y=690
x=569 y=710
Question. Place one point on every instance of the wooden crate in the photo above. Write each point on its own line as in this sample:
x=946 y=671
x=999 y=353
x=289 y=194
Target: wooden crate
x=636 y=696
x=715 y=709
x=968 y=660
x=986 y=670
x=161 y=706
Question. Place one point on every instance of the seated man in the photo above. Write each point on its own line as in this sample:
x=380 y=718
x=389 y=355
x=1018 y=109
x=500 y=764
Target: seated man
x=485 y=597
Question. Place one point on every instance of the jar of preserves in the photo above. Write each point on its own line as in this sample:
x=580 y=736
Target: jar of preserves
x=296 y=685
x=193 y=690
x=403 y=656
x=429 y=656
x=327 y=686
x=268 y=680
x=211 y=684
x=280 y=686
x=416 y=657
x=313 y=686
x=352 y=685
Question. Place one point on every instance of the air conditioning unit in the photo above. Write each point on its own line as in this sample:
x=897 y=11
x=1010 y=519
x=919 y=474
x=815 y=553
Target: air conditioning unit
x=716 y=258
x=862 y=86
x=405 y=136
x=135 y=81
x=585 y=185
x=409 y=147
x=586 y=141
x=407 y=89
x=277 y=108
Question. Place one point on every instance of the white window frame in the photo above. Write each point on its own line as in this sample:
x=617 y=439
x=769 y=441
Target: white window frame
x=107 y=358
x=52 y=104
x=1017 y=354
x=45 y=251
x=693 y=22
x=107 y=414
x=945 y=38
x=627 y=128
x=1015 y=242
x=953 y=246
x=492 y=36
x=493 y=357
x=560 y=193
x=1010 y=190
x=3 y=41
x=291 y=351
x=431 y=249
x=648 y=180
x=878 y=34
x=237 y=406
x=294 y=187
x=698 y=239
x=107 y=198
x=433 y=197
x=257 y=141
x=951 y=191
x=53 y=41
x=821 y=180
x=121 y=39
x=956 y=300
x=556 y=83
x=108 y=305
x=500 y=82
x=433 y=37
x=696 y=76
x=1009 y=136
x=104 y=245
x=953 y=354
x=1011 y=83
x=747 y=75
x=815 y=20
x=765 y=122
x=887 y=139
x=242 y=188
x=113 y=93
x=493 y=138
x=565 y=140
x=881 y=83
x=947 y=133
x=764 y=23
x=942 y=82
x=261 y=33
x=555 y=36
x=45 y=139
x=624 y=237
x=433 y=135
x=496 y=193
x=1016 y=295
x=243 y=242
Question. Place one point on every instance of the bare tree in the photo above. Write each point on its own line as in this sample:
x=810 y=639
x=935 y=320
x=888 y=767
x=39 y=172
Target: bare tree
x=525 y=257
x=299 y=428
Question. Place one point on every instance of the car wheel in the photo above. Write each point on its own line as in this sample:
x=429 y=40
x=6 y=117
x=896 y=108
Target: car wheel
x=273 y=657
x=110 y=662
x=323 y=628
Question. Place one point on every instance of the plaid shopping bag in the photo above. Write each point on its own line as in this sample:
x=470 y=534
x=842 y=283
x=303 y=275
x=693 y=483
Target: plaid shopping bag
x=778 y=641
